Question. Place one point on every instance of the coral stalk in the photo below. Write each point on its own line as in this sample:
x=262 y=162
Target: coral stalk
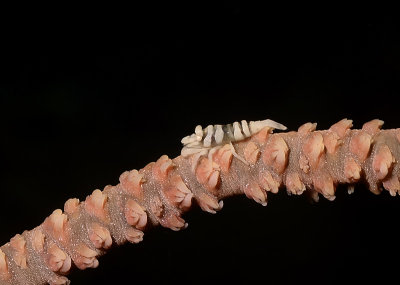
x=306 y=161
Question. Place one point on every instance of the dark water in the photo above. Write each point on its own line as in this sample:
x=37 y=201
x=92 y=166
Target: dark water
x=75 y=113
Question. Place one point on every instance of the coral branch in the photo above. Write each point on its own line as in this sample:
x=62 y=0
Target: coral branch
x=304 y=161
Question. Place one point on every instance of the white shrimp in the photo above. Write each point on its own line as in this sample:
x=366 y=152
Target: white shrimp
x=214 y=136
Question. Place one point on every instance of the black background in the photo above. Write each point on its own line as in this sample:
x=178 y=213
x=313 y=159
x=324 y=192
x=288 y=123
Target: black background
x=80 y=107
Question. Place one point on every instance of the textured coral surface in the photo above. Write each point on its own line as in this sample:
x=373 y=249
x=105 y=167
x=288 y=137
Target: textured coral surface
x=308 y=161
